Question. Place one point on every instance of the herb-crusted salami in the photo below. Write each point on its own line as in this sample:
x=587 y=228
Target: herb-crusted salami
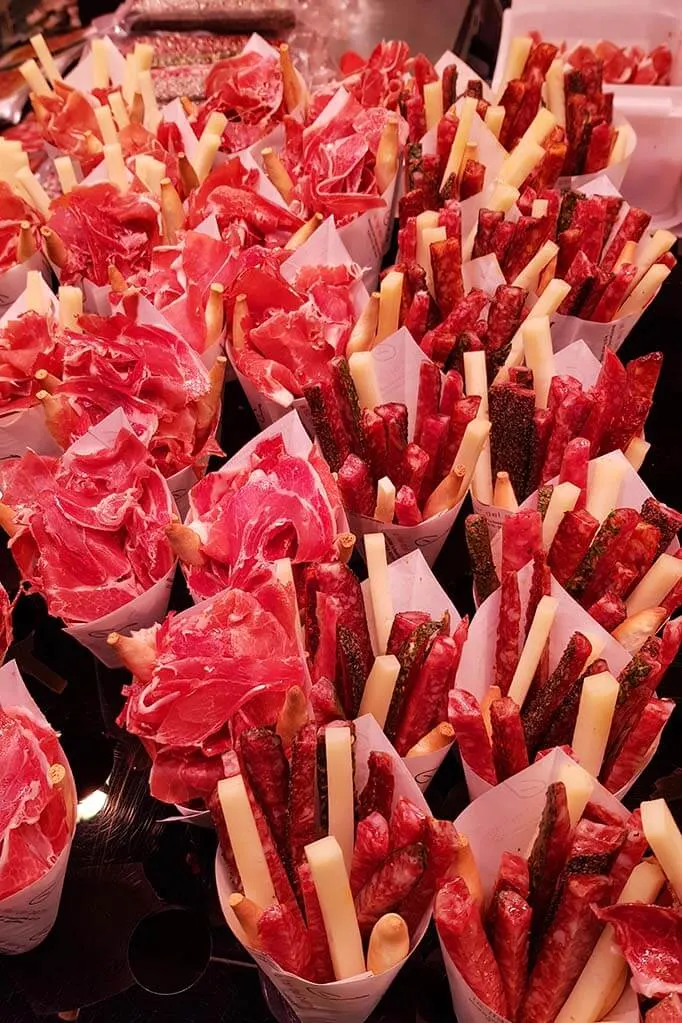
x=537 y=714
x=636 y=746
x=550 y=850
x=478 y=544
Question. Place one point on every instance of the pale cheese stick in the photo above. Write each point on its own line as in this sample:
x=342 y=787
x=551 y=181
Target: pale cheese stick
x=379 y=588
x=554 y=80
x=100 y=64
x=390 y=295
x=70 y=307
x=205 y=154
x=433 y=103
x=539 y=356
x=482 y=479
x=564 y=499
x=665 y=573
x=528 y=277
x=621 y=145
x=501 y=201
x=152 y=114
x=10 y=145
x=35 y=293
x=35 y=191
x=476 y=380
x=645 y=290
x=34 y=78
x=579 y=788
x=593 y=724
x=520 y=163
x=539 y=128
x=663 y=835
x=519 y=49
x=604 y=481
x=118 y=109
x=378 y=692
x=216 y=123
x=628 y=254
x=11 y=161
x=44 y=55
x=245 y=841
x=654 y=247
x=429 y=236
x=538 y=635
x=547 y=304
x=466 y=117
x=116 y=168
x=606 y=963
x=129 y=87
x=385 y=506
x=105 y=123
x=154 y=172
x=336 y=904
x=144 y=56
x=470 y=153
x=636 y=452
x=539 y=209
x=494 y=117
x=361 y=365
x=425 y=221
x=339 y=760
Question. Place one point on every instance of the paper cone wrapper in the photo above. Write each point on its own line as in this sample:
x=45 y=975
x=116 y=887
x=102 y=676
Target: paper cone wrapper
x=13 y=282
x=506 y=819
x=26 y=428
x=616 y=172
x=296 y=442
x=325 y=247
x=143 y=610
x=396 y=365
x=27 y=917
x=414 y=587
x=343 y=1001
x=476 y=669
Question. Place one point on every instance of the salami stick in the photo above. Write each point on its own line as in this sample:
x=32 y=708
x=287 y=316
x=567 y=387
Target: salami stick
x=465 y=717
x=538 y=712
x=320 y=959
x=550 y=849
x=510 y=921
x=377 y=794
x=636 y=747
x=508 y=633
x=267 y=769
x=301 y=826
x=480 y=553
x=389 y=885
x=372 y=844
x=427 y=693
x=508 y=742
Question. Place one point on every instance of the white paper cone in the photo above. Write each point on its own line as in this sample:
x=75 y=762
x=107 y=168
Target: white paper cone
x=597 y=336
x=13 y=282
x=343 y=1001
x=505 y=819
x=615 y=173
x=180 y=484
x=27 y=917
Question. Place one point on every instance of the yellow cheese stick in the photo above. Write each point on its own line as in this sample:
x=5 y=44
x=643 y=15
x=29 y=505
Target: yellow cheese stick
x=579 y=787
x=390 y=295
x=652 y=249
x=636 y=452
x=554 y=80
x=466 y=117
x=100 y=64
x=70 y=307
x=425 y=221
x=476 y=383
x=645 y=290
x=470 y=153
x=65 y=173
x=433 y=103
x=547 y=304
x=363 y=334
x=595 y=714
x=606 y=964
x=116 y=168
x=665 y=573
x=604 y=479
x=564 y=499
x=129 y=87
x=501 y=201
x=245 y=841
x=339 y=760
x=494 y=116
x=42 y=52
x=216 y=124
x=144 y=56
x=33 y=77
x=621 y=145
x=336 y=904
x=482 y=479
x=539 y=128
x=385 y=506
x=520 y=163
x=538 y=636
x=361 y=365
x=528 y=277
x=107 y=128
x=628 y=254
x=379 y=588
x=152 y=114
x=11 y=161
x=519 y=48
x=205 y=154
x=663 y=835
x=152 y=174
x=118 y=109
x=378 y=693
x=35 y=293
x=539 y=355
x=429 y=236
x=35 y=191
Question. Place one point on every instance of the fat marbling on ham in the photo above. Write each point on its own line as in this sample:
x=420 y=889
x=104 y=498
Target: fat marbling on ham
x=30 y=343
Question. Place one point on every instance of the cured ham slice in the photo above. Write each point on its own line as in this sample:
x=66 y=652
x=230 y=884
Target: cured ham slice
x=28 y=344
x=34 y=827
x=233 y=659
x=13 y=211
x=91 y=527
x=248 y=89
x=378 y=82
x=67 y=119
x=650 y=938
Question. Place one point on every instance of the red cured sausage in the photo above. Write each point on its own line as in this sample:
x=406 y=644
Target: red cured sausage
x=378 y=792
x=389 y=885
x=633 y=752
x=282 y=936
x=510 y=927
x=465 y=717
x=508 y=741
x=407 y=824
x=320 y=958
x=371 y=848
x=507 y=649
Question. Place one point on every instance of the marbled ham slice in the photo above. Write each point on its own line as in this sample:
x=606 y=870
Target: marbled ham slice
x=650 y=939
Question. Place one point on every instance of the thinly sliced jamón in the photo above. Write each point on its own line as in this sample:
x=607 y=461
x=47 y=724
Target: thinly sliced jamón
x=511 y=416
x=378 y=791
x=512 y=876
x=566 y=948
x=465 y=716
x=571 y=543
x=267 y=769
x=521 y=538
x=282 y=935
x=356 y=486
x=609 y=611
x=428 y=397
x=389 y=885
x=320 y=958
x=372 y=846
x=478 y=544
x=616 y=527
x=407 y=824
x=633 y=752
x=458 y=920
x=301 y=824
x=507 y=648
x=508 y=741
x=666 y=519
x=510 y=922
x=550 y=851
x=426 y=694
x=537 y=714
